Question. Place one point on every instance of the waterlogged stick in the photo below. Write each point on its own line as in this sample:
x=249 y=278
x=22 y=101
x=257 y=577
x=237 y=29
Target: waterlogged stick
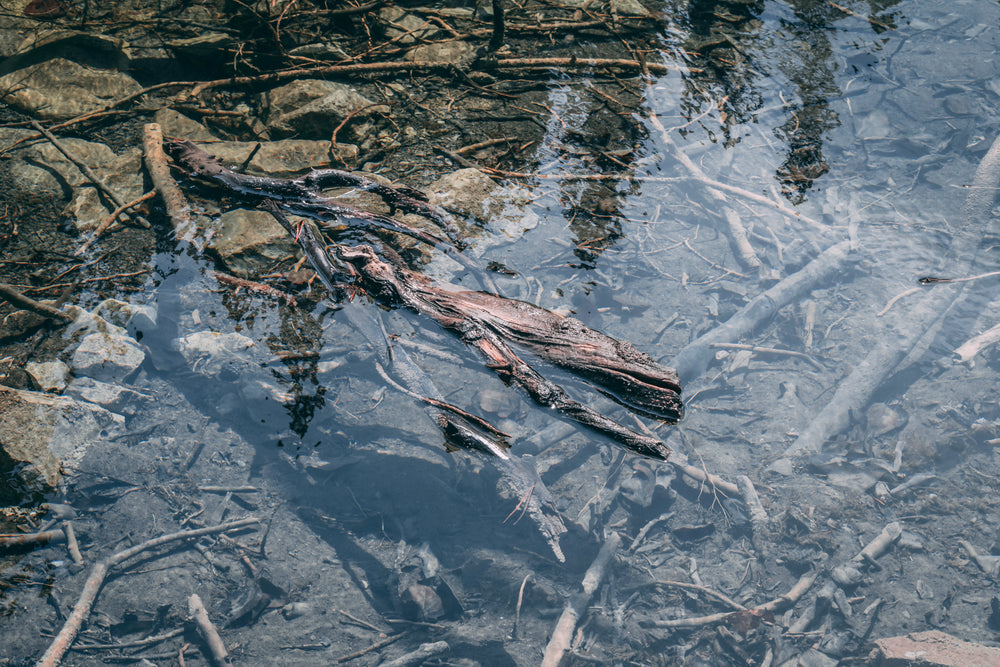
x=57 y=649
x=559 y=643
x=693 y=360
x=207 y=630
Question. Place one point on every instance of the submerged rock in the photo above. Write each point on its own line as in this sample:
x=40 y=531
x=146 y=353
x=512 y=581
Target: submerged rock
x=457 y=53
x=58 y=89
x=102 y=393
x=249 y=239
x=108 y=356
x=42 y=436
x=313 y=108
x=209 y=352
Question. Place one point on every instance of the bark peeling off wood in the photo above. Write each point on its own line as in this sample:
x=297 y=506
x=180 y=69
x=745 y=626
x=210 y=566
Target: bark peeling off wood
x=487 y=321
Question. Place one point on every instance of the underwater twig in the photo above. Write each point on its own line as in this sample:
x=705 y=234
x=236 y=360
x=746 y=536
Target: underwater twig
x=559 y=643
x=207 y=630
x=57 y=649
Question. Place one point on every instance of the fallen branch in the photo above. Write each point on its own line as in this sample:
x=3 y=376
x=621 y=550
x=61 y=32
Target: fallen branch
x=304 y=196
x=418 y=656
x=562 y=636
x=110 y=220
x=426 y=67
x=57 y=649
x=43 y=537
x=968 y=350
x=787 y=600
x=174 y=201
x=253 y=286
x=486 y=322
x=207 y=630
x=8 y=293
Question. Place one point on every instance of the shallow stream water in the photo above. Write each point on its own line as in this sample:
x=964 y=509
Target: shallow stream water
x=863 y=123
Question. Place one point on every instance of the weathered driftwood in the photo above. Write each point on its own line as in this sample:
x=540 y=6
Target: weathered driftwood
x=304 y=196
x=696 y=355
x=159 y=172
x=487 y=322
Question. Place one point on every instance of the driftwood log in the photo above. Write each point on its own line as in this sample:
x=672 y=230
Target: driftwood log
x=487 y=322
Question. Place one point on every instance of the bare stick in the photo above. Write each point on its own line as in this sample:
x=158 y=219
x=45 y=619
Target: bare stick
x=374 y=647
x=426 y=67
x=43 y=537
x=967 y=351
x=786 y=600
x=53 y=655
x=758 y=515
x=8 y=293
x=722 y=597
x=253 y=286
x=419 y=656
x=768 y=350
x=177 y=206
x=704 y=477
x=880 y=544
x=559 y=643
x=738 y=236
x=207 y=630
x=110 y=220
x=71 y=544
x=696 y=355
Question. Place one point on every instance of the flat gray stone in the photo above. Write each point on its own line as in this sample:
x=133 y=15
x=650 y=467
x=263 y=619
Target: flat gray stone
x=457 y=53
x=102 y=393
x=313 y=108
x=208 y=352
x=464 y=192
x=250 y=240
x=130 y=316
x=175 y=124
x=107 y=356
x=40 y=169
x=58 y=89
x=405 y=28
x=48 y=435
x=279 y=159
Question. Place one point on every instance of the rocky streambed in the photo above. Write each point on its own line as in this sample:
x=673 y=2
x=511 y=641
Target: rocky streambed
x=207 y=390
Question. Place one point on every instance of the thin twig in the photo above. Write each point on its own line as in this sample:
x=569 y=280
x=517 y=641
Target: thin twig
x=85 y=170
x=786 y=600
x=374 y=647
x=110 y=220
x=57 y=649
